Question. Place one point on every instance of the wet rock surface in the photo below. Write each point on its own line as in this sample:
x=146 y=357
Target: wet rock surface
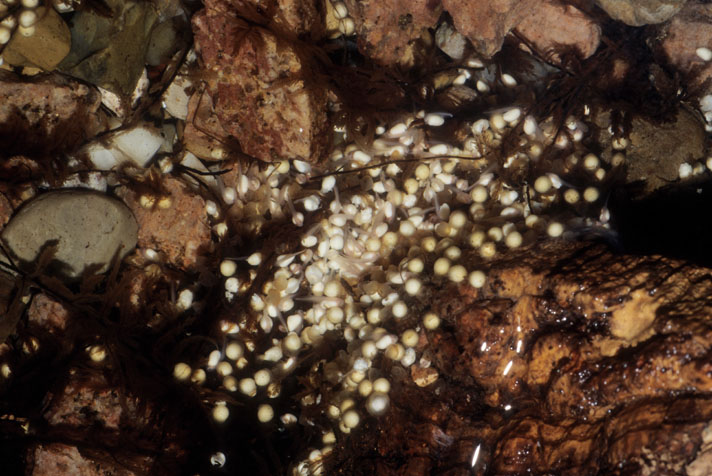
x=641 y=12
x=570 y=360
x=174 y=223
x=48 y=115
x=486 y=24
x=288 y=268
x=656 y=151
x=263 y=101
x=388 y=32
x=551 y=24
x=89 y=229
x=686 y=32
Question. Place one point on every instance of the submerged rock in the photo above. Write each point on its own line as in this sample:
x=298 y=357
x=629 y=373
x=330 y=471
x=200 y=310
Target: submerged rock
x=46 y=116
x=641 y=12
x=44 y=49
x=486 y=24
x=571 y=360
x=388 y=31
x=89 y=229
x=261 y=89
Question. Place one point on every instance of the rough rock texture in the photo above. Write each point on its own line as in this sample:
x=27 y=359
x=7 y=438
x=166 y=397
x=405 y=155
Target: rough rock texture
x=47 y=313
x=294 y=17
x=180 y=230
x=486 y=23
x=571 y=360
x=55 y=458
x=89 y=405
x=689 y=30
x=262 y=89
x=655 y=151
x=702 y=465
x=204 y=136
x=387 y=30
x=450 y=41
x=551 y=25
x=90 y=229
x=46 y=116
x=641 y=12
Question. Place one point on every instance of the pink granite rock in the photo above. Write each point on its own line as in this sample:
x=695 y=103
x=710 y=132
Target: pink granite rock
x=486 y=22
x=262 y=89
x=552 y=24
x=387 y=30
x=689 y=30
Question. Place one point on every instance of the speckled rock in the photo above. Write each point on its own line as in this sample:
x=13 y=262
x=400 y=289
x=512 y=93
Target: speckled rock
x=388 y=30
x=179 y=229
x=46 y=116
x=57 y=458
x=486 y=23
x=551 y=25
x=641 y=12
x=47 y=313
x=90 y=228
x=259 y=89
x=292 y=17
x=571 y=360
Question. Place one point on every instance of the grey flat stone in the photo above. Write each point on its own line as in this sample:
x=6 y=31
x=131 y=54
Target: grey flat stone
x=641 y=12
x=89 y=228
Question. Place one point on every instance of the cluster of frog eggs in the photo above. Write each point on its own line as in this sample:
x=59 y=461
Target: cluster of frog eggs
x=405 y=215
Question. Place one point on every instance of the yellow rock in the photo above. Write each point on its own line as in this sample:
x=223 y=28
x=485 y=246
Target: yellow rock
x=45 y=48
